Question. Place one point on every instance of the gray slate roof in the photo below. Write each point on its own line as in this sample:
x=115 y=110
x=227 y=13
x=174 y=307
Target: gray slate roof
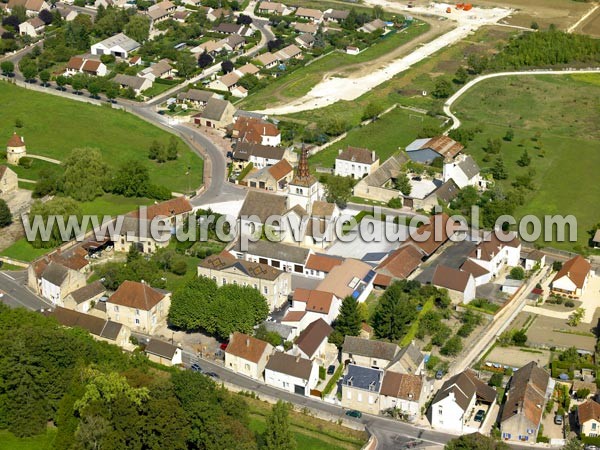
x=55 y=273
x=389 y=169
x=243 y=151
x=274 y=250
x=160 y=348
x=469 y=167
x=363 y=378
x=215 y=108
x=263 y=205
x=447 y=191
x=131 y=81
x=195 y=95
x=122 y=41
x=368 y=348
x=294 y=366
x=87 y=292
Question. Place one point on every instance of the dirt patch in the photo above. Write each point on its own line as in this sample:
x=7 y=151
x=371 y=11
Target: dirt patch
x=448 y=67
x=518 y=357
x=592 y=25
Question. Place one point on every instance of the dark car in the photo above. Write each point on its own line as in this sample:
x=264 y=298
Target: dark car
x=479 y=415
x=354 y=413
x=331 y=370
x=212 y=375
x=196 y=368
x=439 y=375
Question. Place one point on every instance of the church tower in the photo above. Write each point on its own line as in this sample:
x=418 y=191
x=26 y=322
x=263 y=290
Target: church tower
x=304 y=189
x=15 y=149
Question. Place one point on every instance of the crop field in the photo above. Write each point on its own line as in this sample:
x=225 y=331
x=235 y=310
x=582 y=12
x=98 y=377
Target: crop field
x=53 y=126
x=554 y=118
x=592 y=25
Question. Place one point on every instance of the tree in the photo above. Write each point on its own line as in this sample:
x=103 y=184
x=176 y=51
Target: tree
x=29 y=71
x=58 y=206
x=509 y=136
x=499 y=171
x=452 y=347
x=84 y=174
x=5 y=214
x=402 y=183
x=517 y=273
x=278 y=434
x=475 y=441
x=582 y=393
x=556 y=266
x=534 y=26
x=61 y=82
x=244 y=19
x=348 y=321
x=377 y=12
x=394 y=313
x=131 y=180
x=493 y=146
x=172 y=148
x=186 y=64
x=275 y=44
x=496 y=380
x=94 y=88
x=205 y=60
x=156 y=148
x=44 y=76
x=46 y=16
x=519 y=337
x=372 y=111
x=524 y=160
x=77 y=84
x=461 y=76
x=338 y=190
x=442 y=88
x=227 y=66
x=138 y=28
x=576 y=317
x=112 y=91
x=8 y=67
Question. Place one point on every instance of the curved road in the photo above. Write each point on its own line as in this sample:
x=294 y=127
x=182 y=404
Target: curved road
x=470 y=84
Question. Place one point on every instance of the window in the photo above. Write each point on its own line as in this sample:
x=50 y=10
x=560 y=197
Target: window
x=235 y=282
x=137 y=321
x=286 y=384
x=224 y=281
x=359 y=397
x=371 y=399
x=255 y=286
x=506 y=435
x=214 y=279
x=266 y=290
x=593 y=426
x=246 y=366
x=116 y=308
x=137 y=312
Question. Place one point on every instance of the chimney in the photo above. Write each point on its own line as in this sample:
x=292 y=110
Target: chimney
x=478 y=253
x=248 y=342
x=373 y=156
x=298 y=358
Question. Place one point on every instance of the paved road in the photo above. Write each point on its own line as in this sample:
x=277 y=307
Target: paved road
x=16 y=294
x=470 y=84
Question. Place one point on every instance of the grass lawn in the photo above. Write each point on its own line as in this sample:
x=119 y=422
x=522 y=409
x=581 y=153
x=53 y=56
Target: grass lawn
x=23 y=251
x=53 y=126
x=157 y=88
x=564 y=110
x=113 y=205
x=33 y=173
x=310 y=432
x=8 y=441
x=301 y=81
x=397 y=128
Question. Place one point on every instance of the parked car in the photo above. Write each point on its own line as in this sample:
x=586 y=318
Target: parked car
x=331 y=370
x=354 y=413
x=558 y=419
x=212 y=375
x=196 y=368
x=439 y=375
x=479 y=415
x=1 y=294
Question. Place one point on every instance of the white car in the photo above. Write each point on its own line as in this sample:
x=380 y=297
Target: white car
x=1 y=294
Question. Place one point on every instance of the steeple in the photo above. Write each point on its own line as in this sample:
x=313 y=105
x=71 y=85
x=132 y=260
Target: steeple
x=303 y=176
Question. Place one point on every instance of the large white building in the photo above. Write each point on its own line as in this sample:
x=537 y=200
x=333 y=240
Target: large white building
x=291 y=373
x=356 y=162
x=464 y=171
x=118 y=45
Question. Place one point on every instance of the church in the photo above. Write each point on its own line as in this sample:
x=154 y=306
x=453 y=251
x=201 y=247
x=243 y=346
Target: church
x=300 y=215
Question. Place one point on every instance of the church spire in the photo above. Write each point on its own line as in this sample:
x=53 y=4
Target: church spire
x=303 y=171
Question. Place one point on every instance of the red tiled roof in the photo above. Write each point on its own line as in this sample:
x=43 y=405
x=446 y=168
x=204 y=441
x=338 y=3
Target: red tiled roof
x=136 y=295
x=589 y=410
x=246 y=347
x=294 y=316
x=576 y=269
x=437 y=233
x=449 y=278
x=280 y=169
x=170 y=208
x=249 y=129
x=322 y=263
x=15 y=141
x=401 y=263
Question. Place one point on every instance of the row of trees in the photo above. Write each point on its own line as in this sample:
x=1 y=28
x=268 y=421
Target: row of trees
x=201 y=305
x=99 y=397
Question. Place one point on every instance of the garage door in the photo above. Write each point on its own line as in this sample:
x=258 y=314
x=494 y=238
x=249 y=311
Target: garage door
x=298 y=389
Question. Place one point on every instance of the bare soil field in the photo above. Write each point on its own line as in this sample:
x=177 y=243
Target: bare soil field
x=592 y=25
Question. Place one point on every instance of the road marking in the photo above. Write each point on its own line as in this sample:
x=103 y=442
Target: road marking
x=7 y=275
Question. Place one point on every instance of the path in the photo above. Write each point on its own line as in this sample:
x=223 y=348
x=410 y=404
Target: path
x=470 y=84
x=573 y=27
x=334 y=89
x=45 y=158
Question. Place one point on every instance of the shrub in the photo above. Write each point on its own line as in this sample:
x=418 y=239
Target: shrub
x=322 y=373
x=569 y=303
x=395 y=203
x=26 y=162
x=517 y=273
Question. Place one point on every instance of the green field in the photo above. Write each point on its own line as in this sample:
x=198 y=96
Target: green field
x=395 y=129
x=23 y=251
x=301 y=81
x=53 y=126
x=9 y=442
x=564 y=111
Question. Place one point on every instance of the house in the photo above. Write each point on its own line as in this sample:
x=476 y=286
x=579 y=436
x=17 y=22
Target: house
x=314 y=15
x=336 y=15
x=163 y=353
x=139 y=306
x=379 y=185
x=92 y=67
x=360 y=388
x=54 y=280
x=271 y=178
x=256 y=131
x=427 y=149
x=307 y=28
x=319 y=265
x=67 y=15
x=456 y=401
x=533 y=259
x=268 y=60
x=196 y=97
x=367 y=353
x=118 y=45
x=229 y=28
x=217 y=114
x=312 y=342
x=401 y=392
x=33 y=27
x=351 y=278
x=32 y=7
x=224 y=268
x=259 y=155
x=529 y=389
x=355 y=162
x=233 y=43
x=138 y=232
x=305 y=40
x=572 y=279
x=289 y=52
x=160 y=11
x=239 y=91
x=409 y=361
x=352 y=50
x=464 y=171
x=219 y=13
x=181 y=16
x=247 y=355
x=460 y=285
x=248 y=68
x=100 y=329
x=173 y=211
x=138 y=84
x=291 y=373
x=317 y=304
x=226 y=83
x=596 y=239
x=84 y=298
x=588 y=417
x=271 y=8
x=9 y=181
x=161 y=69
x=372 y=26
x=493 y=254
x=399 y=264
x=290 y=258
x=136 y=61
